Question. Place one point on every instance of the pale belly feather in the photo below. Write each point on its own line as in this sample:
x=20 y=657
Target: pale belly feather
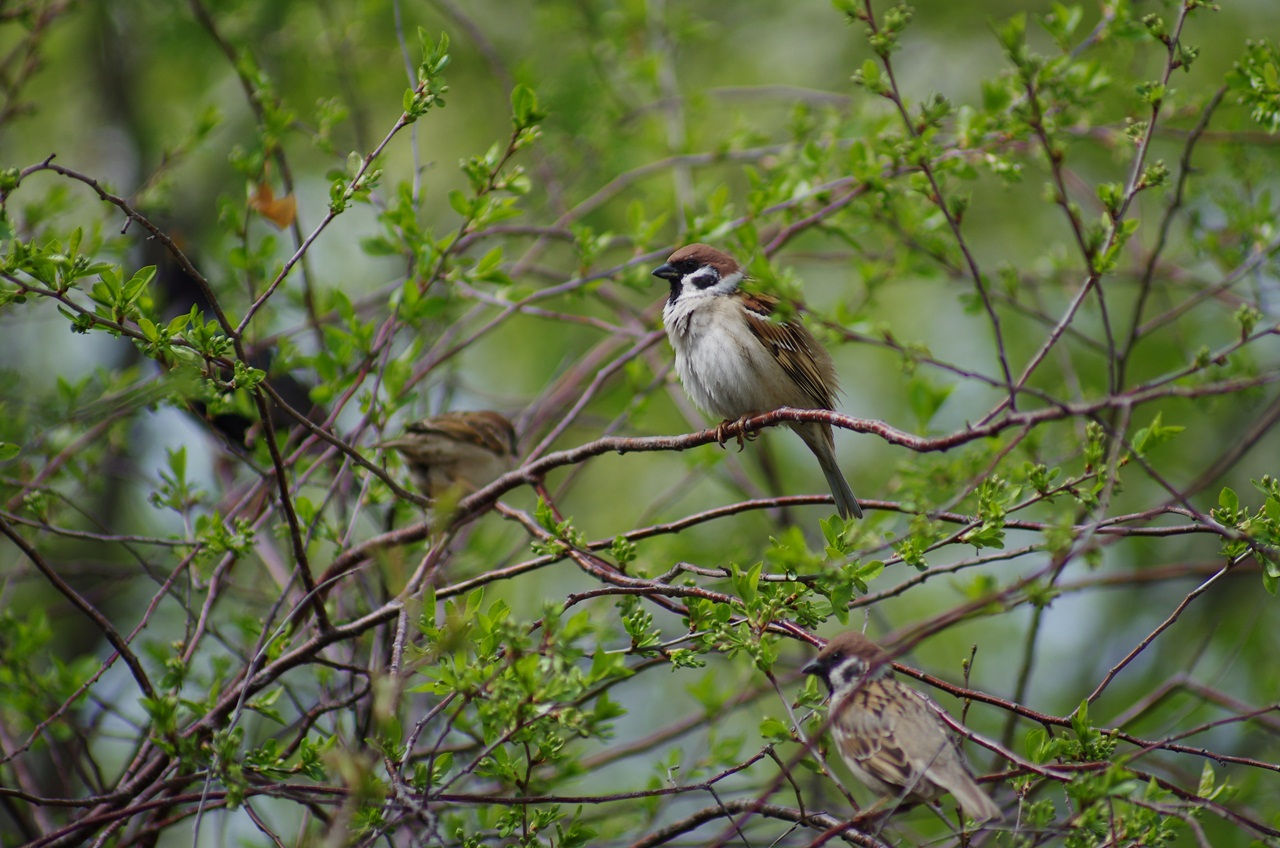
x=723 y=367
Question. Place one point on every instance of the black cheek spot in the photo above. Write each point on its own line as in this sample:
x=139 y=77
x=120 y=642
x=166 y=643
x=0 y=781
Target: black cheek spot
x=705 y=279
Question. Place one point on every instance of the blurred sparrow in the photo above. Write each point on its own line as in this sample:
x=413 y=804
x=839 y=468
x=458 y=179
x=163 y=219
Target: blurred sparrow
x=887 y=733
x=462 y=451
x=735 y=361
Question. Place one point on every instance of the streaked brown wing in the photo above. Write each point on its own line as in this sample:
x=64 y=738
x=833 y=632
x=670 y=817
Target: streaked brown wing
x=795 y=349
x=892 y=736
x=867 y=730
x=932 y=746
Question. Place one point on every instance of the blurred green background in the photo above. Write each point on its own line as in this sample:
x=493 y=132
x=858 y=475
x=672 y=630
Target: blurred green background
x=144 y=98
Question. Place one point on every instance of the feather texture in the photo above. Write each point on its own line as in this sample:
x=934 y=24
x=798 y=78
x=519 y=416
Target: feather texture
x=890 y=735
x=735 y=360
x=463 y=451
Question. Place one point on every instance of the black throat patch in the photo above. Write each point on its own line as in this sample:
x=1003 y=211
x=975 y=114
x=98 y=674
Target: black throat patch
x=676 y=285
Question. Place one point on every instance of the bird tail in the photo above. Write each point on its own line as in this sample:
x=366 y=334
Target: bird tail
x=976 y=803
x=821 y=442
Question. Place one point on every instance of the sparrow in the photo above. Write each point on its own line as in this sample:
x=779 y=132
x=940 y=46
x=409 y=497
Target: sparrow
x=460 y=452
x=451 y=455
x=735 y=360
x=889 y=734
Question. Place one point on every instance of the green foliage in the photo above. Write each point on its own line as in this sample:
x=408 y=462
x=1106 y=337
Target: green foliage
x=1257 y=533
x=1256 y=83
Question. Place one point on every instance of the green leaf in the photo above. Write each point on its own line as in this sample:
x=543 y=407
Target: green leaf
x=1080 y=720
x=1013 y=35
x=870 y=71
x=746 y=583
x=1205 y=789
x=138 y=282
x=848 y=7
x=774 y=730
x=460 y=203
x=1154 y=435
x=149 y=330
x=1270 y=575
x=869 y=571
x=524 y=107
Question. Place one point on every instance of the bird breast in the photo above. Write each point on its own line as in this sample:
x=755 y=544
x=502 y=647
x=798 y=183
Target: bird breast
x=722 y=365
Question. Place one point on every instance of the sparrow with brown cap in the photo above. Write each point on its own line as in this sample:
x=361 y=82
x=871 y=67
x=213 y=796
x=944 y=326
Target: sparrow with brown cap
x=735 y=360
x=888 y=734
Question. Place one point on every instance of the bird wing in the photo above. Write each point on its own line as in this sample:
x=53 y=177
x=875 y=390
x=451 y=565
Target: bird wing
x=869 y=727
x=794 y=348
x=893 y=734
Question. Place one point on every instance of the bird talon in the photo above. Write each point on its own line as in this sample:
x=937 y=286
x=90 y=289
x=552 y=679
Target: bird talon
x=736 y=428
x=745 y=435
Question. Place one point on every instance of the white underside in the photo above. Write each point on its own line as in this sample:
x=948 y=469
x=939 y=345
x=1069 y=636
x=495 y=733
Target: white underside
x=730 y=373
x=723 y=367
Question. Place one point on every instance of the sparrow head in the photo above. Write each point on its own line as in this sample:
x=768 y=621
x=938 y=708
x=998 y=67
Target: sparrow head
x=846 y=659
x=484 y=428
x=700 y=269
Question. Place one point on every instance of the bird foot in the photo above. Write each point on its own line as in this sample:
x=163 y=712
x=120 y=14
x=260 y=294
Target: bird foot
x=721 y=435
x=740 y=425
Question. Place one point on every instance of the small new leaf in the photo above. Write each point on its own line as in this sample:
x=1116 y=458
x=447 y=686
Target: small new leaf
x=1155 y=434
x=524 y=107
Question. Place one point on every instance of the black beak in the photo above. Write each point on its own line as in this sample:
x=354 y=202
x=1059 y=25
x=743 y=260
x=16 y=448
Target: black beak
x=814 y=667
x=666 y=272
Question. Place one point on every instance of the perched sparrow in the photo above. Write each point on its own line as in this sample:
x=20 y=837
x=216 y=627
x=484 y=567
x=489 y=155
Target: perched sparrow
x=463 y=451
x=887 y=733
x=735 y=361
